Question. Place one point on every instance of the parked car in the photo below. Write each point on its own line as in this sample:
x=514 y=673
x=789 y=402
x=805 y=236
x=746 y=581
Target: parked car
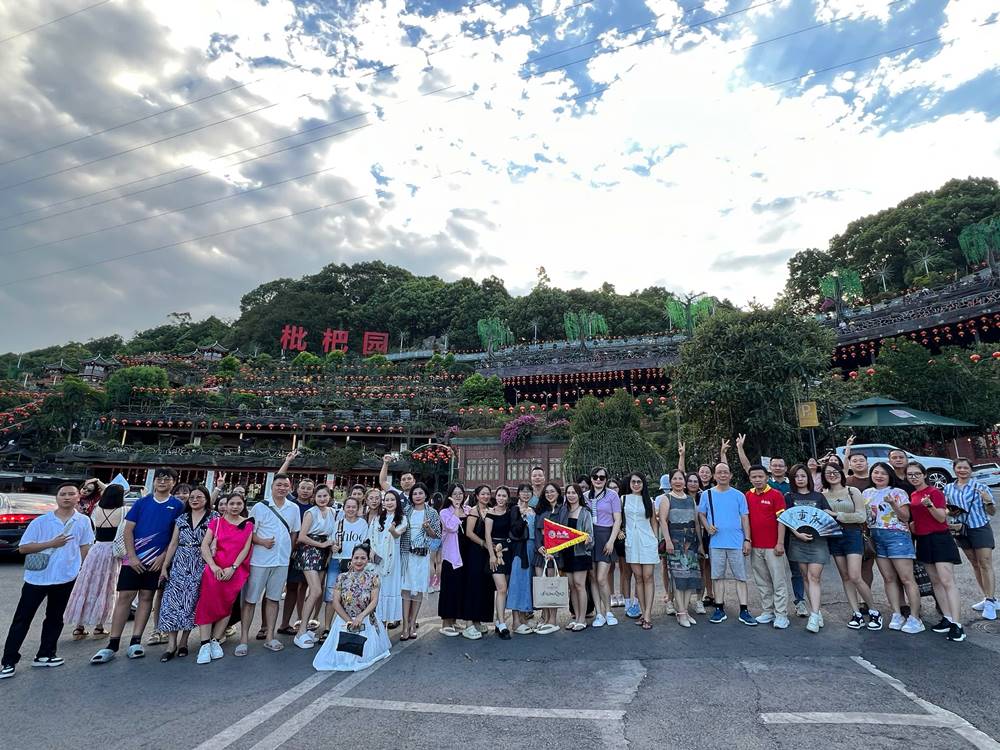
x=940 y=471
x=988 y=474
x=17 y=510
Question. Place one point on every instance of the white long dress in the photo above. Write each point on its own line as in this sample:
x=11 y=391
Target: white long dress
x=640 y=542
x=389 y=569
x=355 y=596
x=417 y=568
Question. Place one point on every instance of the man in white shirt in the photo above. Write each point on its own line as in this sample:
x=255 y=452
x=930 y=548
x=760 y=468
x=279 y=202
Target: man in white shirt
x=406 y=481
x=276 y=524
x=63 y=536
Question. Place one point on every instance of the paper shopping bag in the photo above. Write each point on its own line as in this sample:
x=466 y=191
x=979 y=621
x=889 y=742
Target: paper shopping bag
x=549 y=591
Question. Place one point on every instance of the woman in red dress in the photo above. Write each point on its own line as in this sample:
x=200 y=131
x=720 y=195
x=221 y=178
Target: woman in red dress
x=226 y=550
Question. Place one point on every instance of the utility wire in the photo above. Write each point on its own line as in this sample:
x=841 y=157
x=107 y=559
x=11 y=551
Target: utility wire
x=54 y=20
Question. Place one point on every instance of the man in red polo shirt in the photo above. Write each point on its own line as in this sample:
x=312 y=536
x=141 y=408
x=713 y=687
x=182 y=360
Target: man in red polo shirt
x=767 y=556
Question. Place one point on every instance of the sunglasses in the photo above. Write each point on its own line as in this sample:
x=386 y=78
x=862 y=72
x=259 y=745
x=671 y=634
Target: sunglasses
x=602 y=477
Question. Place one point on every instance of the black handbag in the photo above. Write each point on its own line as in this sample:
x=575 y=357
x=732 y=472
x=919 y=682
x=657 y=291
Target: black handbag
x=351 y=643
x=620 y=539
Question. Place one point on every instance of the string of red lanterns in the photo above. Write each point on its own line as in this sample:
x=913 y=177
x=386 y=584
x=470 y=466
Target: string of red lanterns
x=250 y=426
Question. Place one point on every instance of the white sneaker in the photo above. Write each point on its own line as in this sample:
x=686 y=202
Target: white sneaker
x=801 y=610
x=780 y=622
x=813 y=625
x=215 y=648
x=990 y=610
x=979 y=606
x=472 y=633
x=205 y=654
x=699 y=608
x=598 y=622
x=671 y=609
x=765 y=618
x=897 y=621
x=820 y=616
x=610 y=619
x=913 y=625
x=304 y=641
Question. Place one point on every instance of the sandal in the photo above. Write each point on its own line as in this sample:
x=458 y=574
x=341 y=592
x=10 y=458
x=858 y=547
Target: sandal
x=647 y=625
x=241 y=650
x=261 y=635
x=287 y=631
x=79 y=633
x=404 y=638
x=182 y=652
x=167 y=656
x=100 y=632
x=323 y=636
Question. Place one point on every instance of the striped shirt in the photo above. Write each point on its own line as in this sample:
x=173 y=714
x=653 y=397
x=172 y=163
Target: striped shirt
x=969 y=499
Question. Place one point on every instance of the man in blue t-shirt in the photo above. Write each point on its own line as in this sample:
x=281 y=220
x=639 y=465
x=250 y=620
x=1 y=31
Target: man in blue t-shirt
x=724 y=514
x=149 y=526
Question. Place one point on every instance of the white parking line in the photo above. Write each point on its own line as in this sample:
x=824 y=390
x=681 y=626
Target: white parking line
x=935 y=716
x=469 y=710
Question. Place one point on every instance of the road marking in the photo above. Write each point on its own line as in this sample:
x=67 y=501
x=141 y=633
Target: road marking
x=475 y=710
x=935 y=716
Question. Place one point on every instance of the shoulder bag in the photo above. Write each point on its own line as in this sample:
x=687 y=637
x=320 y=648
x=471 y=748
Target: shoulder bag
x=36 y=561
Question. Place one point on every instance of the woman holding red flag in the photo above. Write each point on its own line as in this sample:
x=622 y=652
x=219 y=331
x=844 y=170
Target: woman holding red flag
x=548 y=505
x=578 y=559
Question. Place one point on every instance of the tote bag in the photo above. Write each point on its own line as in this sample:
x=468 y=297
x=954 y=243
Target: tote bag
x=549 y=591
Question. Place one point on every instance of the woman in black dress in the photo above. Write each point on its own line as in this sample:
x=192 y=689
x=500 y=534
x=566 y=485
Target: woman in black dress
x=478 y=595
x=548 y=505
x=453 y=545
x=499 y=546
x=578 y=559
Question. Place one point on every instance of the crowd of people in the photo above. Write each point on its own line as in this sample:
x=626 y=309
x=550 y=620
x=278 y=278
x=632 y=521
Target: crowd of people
x=199 y=561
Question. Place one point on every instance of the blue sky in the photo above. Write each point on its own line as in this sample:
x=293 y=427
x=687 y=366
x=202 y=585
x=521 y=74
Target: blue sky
x=464 y=139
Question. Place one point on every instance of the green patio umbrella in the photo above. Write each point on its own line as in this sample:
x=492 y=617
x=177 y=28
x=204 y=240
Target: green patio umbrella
x=887 y=412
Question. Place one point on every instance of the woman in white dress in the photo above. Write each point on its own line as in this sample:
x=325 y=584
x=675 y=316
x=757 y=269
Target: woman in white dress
x=383 y=536
x=422 y=524
x=641 y=542
x=355 y=599
x=312 y=555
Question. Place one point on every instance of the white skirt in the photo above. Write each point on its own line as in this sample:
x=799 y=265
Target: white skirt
x=377 y=645
x=416 y=574
x=641 y=545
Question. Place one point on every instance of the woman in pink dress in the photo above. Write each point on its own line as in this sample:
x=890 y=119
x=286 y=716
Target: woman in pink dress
x=226 y=550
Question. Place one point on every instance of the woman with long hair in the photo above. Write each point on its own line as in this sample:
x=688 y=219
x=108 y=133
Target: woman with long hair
x=972 y=503
x=847 y=505
x=705 y=481
x=888 y=509
x=434 y=545
x=577 y=560
x=704 y=590
x=548 y=505
x=422 y=524
x=498 y=545
x=312 y=555
x=809 y=551
x=453 y=543
x=936 y=548
x=641 y=544
x=93 y=597
x=351 y=531
x=678 y=517
x=606 y=507
x=226 y=552
x=384 y=538
x=373 y=505
x=522 y=543
x=478 y=602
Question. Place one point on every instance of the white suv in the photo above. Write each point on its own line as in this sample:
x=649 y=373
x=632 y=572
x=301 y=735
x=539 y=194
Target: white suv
x=940 y=471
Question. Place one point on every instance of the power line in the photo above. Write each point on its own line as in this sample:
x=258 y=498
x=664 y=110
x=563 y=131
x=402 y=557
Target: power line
x=237 y=116
x=54 y=20
x=230 y=89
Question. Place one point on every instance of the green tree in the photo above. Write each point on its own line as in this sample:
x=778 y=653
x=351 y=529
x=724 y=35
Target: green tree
x=610 y=435
x=306 y=359
x=228 y=367
x=743 y=373
x=479 y=391
x=71 y=406
x=121 y=383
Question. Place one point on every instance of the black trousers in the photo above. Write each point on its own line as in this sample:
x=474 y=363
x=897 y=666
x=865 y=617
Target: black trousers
x=31 y=599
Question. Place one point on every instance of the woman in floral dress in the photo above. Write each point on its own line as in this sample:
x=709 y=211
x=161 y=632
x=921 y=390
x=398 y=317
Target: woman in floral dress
x=355 y=597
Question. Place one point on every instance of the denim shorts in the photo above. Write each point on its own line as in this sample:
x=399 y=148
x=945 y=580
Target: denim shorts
x=851 y=543
x=893 y=544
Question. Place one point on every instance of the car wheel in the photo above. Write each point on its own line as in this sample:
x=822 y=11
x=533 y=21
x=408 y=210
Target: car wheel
x=938 y=478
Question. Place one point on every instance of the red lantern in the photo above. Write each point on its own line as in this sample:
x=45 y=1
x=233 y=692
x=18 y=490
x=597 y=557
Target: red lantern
x=975 y=358
x=852 y=374
x=870 y=371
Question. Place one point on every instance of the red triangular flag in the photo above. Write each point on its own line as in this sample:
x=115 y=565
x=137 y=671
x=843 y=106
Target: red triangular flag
x=559 y=537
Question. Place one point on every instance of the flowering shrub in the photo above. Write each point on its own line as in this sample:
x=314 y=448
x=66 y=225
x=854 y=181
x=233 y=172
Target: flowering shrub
x=516 y=432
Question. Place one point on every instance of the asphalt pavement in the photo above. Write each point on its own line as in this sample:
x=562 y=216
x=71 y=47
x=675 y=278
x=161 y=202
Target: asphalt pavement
x=712 y=686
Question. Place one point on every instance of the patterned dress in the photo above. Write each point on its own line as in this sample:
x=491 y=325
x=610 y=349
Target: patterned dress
x=184 y=584
x=355 y=590
x=683 y=563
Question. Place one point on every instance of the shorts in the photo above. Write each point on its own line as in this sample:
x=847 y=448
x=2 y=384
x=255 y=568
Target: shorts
x=295 y=575
x=851 y=543
x=938 y=547
x=434 y=545
x=336 y=568
x=269 y=581
x=733 y=559
x=981 y=538
x=129 y=580
x=893 y=544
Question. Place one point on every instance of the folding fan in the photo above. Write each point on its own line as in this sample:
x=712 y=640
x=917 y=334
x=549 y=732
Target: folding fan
x=809 y=520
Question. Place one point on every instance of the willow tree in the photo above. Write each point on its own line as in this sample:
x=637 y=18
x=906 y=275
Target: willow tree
x=981 y=241
x=610 y=434
x=494 y=334
x=582 y=325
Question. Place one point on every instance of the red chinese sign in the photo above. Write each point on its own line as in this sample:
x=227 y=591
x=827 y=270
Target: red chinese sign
x=293 y=338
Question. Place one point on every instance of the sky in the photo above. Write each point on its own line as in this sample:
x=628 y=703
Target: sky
x=161 y=157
